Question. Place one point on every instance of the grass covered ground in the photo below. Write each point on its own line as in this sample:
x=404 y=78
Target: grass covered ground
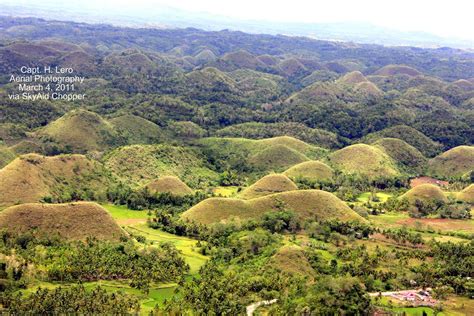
x=226 y=191
x=306 y=203
x=366 y=197
x=135 y=222
x=186 y=245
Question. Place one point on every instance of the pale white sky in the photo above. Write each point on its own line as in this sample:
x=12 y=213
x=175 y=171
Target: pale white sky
x=453 y=18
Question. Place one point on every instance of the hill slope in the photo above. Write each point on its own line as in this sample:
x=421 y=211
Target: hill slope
x=407 y=157
x=425 y=192
x=29 y=178
x=310 y=170
x=137 y=165
x=408 y=134
x=316 y=204
x=467 y=195
x=254 y=130
x=269 y=154
x=137 y=130
x=6 y=155
x=82 y=131
x=453 y=163
x=169 y=184
x=364 y=160
x=73 y=221
x=270 y=184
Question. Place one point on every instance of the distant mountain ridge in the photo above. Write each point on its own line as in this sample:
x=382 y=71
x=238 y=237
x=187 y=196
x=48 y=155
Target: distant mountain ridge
x=169 y=17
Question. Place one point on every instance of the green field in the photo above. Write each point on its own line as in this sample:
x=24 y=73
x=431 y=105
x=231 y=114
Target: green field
x=122 y=212
x=186 y=245
x=382 y=196
x=226 y=191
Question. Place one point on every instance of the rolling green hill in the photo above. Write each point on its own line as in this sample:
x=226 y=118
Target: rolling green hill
x=272 y=154
x=407 y=157
x=291 y=259
x=82 y=131
x=363 y=160
x=137 y=130
x=137 y=165
x=255 y=130
x=408 y=134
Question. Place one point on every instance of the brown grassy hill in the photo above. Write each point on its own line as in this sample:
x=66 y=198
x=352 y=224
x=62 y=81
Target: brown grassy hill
x=205 y=56
x=467 y=195
x=307 y=203
x=406 y=156
x=169 y=184
x=361 y=85
x=73 y=221
x=363 y=160
x=270 y=184
x=391 y=70
x=82 y=131
x=318 y=92
x=352 y=78
x=31 y=177
x=242 y=59
x=310 y=170
x=368 y=89
x=425 y=192
x=453 y=163
x=292 y=67
x=291 y=259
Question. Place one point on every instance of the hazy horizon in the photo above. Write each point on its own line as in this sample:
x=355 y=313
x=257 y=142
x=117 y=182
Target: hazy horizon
x=439 y=19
